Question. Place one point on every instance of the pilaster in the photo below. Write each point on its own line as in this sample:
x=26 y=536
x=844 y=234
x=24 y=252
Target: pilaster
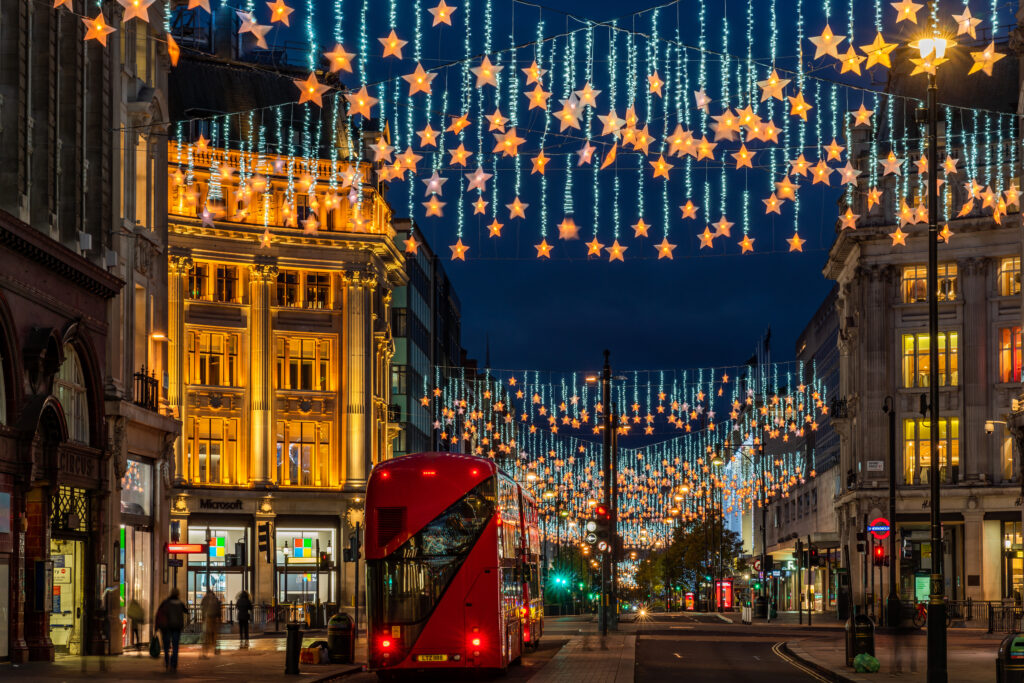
x=177 y=287
x=358 y=389
x=974 y=369
x=261 y=394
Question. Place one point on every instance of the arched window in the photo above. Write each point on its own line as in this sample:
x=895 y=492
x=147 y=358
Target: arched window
x=70 y=389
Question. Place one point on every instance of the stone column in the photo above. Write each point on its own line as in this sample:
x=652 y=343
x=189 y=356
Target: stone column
x=358 y=388
x=974 y=372
x=261 y=389
x=177 y=288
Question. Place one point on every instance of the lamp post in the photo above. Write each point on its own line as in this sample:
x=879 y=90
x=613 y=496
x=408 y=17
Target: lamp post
x=892 y=607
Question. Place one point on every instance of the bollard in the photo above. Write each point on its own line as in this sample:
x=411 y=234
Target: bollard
x=291 y=654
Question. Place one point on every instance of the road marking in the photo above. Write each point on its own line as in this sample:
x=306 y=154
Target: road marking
x=777 y=649
x=680 y=627
x=757 y=658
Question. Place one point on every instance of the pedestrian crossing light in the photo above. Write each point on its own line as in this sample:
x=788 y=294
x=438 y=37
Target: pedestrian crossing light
x=263 y=533
x=879 y=555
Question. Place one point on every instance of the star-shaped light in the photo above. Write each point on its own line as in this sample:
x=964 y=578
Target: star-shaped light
x=906 y=10
x=772 y=87
x=495 y=228
x=539 y=163
x=798 y=106
x=428 y=136
x=97 y=29
x=834 y=150
x=849 y=219
x=892 y=165
x=538 y=98
x=874 y=197
x=1012 y=196
x=702 y=99
x=707 y=238
x=611 y=124
x=442 y=13
x=772 y=205
x=434 y=207
x=799 y=166
x=965 y=23
x=310 y=225
x=393 y=45
x=567 y=229
x=821 y=173
x=689 y=209
x=611 y=156
x=616 y=251
x=949 y=165
x=723 y=227
x=898 y=237
x=497 y=120
x=661 y=167
x=585 y=154
x=361 y=102
x=878 y=52
x=655 y=83
x=569 y=116
x=173 y=51
x=795 y=243
x=945 y=233
x=587 y=96
x=640 y=228
x=594 y=247
x=411 y=245
x=137 y=9
x=985 y=59
x=311 y=90
x=848 y=174
x=478 y=179
x=434 y=184
x=508 y=143
x=786 y=189
x=480 y=206
x=279 y=11
x=517 y=209
x=534 y=73
x=339 y=60
x=459 y=250
x=726 y=125
x=265 y=239
x=543 y=249
x=922 y=165
x=679 y=141
x=665 y=249
x=827 y=43
x=862 y=117
x=486 y=73
x=851 y=61
x=746 y=244
x=419 y=80
x=706 y=149
x=743 y=157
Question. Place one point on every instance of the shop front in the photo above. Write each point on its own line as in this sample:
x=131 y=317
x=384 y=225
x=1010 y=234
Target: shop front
x=136 y=553
x=304 y=564
x=70 y=568
x=224 y=568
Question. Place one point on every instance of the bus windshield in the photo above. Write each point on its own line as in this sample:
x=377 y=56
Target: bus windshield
x=408 y=584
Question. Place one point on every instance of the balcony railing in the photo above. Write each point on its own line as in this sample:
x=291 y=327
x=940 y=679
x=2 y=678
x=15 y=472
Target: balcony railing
x=147 y=390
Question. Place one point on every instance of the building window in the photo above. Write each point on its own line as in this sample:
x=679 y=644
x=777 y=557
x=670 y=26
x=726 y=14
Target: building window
x=226 y=284
x=288 y=288
x=1009 y=354
x=399 y=380
x=1013 y=560
x=302 y=453
x=213 y=451
x=915 y=283
x=1009 y=468
x=214 y=358
x=917 y=450
x=318 y=290
x=303 y=364
x=198 y=276
x=69 y=385
x=916 y=359
x=1009 y=276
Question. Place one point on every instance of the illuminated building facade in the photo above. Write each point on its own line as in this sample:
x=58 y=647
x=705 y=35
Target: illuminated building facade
x=280 y=347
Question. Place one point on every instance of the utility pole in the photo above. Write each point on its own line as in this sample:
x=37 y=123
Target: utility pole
x=606 y=558
x=892 y=607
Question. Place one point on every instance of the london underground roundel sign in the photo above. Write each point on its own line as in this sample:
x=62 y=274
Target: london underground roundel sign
x=879 y=528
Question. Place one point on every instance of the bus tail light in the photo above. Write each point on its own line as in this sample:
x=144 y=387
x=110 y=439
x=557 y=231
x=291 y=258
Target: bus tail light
x=385 y=644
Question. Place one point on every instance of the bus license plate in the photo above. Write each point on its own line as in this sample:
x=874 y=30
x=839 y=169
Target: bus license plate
x=432 y=658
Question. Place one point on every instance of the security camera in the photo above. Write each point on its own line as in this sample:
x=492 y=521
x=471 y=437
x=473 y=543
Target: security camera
x=989 y=427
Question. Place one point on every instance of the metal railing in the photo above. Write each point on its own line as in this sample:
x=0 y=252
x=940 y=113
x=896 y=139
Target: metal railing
x=147 y=390
x=263 y=616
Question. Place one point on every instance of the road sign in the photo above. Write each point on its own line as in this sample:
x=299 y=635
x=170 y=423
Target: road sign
x=175 y=562
x=185 y=548
x=591 y=525
x=879 y=528
x=757 y=565
x=591 y=538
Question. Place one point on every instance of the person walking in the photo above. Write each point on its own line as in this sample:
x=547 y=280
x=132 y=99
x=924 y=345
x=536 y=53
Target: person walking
x=137 y=617
x=210 y=609
x=170 y=621
x=244 y=606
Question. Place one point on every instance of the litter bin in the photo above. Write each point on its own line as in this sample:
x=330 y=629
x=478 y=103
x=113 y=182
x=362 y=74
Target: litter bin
x=341 y=638
x=761 y=607
x=1010 y=662
x=860 y=637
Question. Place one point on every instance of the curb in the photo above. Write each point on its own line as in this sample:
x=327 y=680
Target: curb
x=827 y=674
x=338 y=675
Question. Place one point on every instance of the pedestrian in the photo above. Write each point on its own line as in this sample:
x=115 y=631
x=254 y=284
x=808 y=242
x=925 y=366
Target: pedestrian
x=136 y=617
x=170 y=620
x=244 y=606
x=210 y=609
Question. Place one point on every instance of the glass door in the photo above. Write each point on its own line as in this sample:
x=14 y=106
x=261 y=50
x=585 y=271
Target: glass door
x=66 y=617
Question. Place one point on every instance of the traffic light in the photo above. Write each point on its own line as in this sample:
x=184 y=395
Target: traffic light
x=801 y=558
x=263 y=544
x=598 y=529
x=812 y=556
x=324 y=561
x=879 y=555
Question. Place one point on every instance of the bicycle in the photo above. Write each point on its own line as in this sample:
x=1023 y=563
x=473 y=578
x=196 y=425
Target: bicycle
x=921 y=615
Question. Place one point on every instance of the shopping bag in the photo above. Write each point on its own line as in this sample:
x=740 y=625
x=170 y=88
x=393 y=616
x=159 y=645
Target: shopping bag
x=154 y=647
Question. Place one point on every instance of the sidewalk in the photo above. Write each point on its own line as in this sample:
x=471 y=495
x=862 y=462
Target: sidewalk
x=971 y=656
x=592 y=658
x=263 y=662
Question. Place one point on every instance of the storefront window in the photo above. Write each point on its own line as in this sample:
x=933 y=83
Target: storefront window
x=136 y=485
x=227 y=560
x=297 y=552
x=135 y=579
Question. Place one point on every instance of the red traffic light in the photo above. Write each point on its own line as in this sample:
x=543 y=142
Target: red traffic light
x=602 y=511
x=879 y=551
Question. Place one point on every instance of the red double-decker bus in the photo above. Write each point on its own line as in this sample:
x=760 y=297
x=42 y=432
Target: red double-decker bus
x=452 y=565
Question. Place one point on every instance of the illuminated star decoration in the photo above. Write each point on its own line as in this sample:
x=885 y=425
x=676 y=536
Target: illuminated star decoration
x=702 y=99
x=486 y=73
x=393 y=45
x=862 y=117
x=543 y=249
x=567 y=230
x=898 y=237
x=594 y=247
x=173 y=51
x=689 y=209
x=772 y=205
x=539 y=162
x=795 y=243
x=849 y=220
x=360 y=102
x=772 y=87
x=907 y=10
x=984 y=59
x=878 y=52
x=827 y=43
x=851 y=61
x=665 y=249
x=707 y=238
x=419 y=80
x=495 y=228
x=279 y=11
x=834 y=150
x=411 y=245
x=616 y=251
x=891 y=164
x=517 y=209
x=205 y=4
x=97 y=29
x=640 y=228
x=965 y=23
x=311 y=90
x=442 y=13
x=434 y=207
x=534 y=73
x=655 y=83
x=434 y=184
x=478 y=179
x=746 y=244
x=135 y=9
x=459 y=250
x=945 y=233
x=723 y=227
x=798 y=106
x=339 y=59
x=585 y=153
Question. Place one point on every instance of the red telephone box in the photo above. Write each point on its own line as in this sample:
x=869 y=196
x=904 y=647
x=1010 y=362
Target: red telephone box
x=723 y=594
x=689 y=602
